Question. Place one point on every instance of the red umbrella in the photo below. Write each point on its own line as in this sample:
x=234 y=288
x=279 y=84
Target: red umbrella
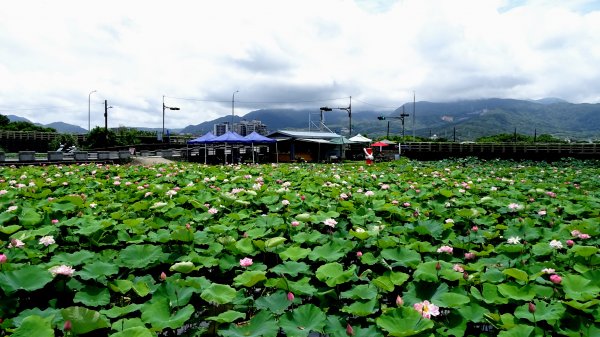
x=380 y=144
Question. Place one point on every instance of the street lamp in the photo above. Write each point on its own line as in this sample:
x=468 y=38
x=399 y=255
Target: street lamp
x=232 y=107
x=163 y=125
x=89 y=109
x=348 y=110
x=401 y=118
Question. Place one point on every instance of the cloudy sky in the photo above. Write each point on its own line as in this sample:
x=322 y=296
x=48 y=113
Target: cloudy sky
x=294 y=54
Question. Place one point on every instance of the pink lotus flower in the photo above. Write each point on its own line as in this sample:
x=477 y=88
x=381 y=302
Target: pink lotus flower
x=542 y=212
x=349 y=330
x=213 y=210
x=458 y=268
x=514 y=206
x=427 y=309
x=163 y=276
x=399 y=301
x=3 y=258
x=575 y=233
x=470 y=256
x=406 y=204
x=570 y=243
x=359 y=254
x=445 y=249
x=295 y=223
x=584 y=236
x=290 y=296
x=475 y=228
x=246 y=262
x=67 y=326
x=369 y=193
x=54 y=221
x=62 y=270
x=555 y=279
x=330 y=222
x=16 y=243
x=47 y=240
x=285 y=202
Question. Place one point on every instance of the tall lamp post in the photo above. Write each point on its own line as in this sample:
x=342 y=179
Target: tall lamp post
x=89 y=110
x=401 y=118
x=163 y=119
x=348 y=110
x=233 y=107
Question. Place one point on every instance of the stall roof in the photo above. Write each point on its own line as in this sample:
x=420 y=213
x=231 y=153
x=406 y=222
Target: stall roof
x=303 y=134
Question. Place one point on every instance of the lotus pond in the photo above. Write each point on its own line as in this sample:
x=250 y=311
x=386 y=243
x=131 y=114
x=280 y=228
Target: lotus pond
x=407 y=248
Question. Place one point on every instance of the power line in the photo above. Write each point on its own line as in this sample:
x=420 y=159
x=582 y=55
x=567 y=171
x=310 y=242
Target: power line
x=258 y=102
x=375 y=105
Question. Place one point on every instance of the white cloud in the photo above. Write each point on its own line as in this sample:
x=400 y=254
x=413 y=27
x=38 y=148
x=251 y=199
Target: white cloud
x=132 y=52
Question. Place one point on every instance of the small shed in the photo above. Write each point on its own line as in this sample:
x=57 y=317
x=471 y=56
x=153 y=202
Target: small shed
x=308 y=146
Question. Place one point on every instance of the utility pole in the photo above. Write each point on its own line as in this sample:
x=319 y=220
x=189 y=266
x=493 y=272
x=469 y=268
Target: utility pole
x=106 y=117
x=414 y=115
x=388 y=131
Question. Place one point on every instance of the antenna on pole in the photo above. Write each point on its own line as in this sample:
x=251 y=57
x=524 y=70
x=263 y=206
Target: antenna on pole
x=413 y=119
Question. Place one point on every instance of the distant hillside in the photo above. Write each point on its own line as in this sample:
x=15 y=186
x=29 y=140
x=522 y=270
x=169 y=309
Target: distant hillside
x=473 y=119
x=14 y=118
x=66 y=128
x=277 y=119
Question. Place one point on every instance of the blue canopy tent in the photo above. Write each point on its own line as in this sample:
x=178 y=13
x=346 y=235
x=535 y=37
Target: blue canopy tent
x=259 y=139
x=202 y=140
x=229 y=137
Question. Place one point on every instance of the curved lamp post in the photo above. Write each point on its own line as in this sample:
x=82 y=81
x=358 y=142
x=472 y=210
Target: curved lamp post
x=163 y=119
x=232 y=108
x=89 y=109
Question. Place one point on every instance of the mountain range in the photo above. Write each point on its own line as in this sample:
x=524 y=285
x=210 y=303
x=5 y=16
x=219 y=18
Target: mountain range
x=460 y=120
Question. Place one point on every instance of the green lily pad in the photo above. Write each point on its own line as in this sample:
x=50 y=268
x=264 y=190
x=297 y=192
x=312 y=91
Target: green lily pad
x=294 y=253
x=262 y=324
x=35 y=326
x=333 y=274
x=291 y=268
x=158 y=314
x=276 y=303
x=137 y=331
x=227 y=316
x=401 y=322
x=92 y=296
x=302 y=320
x=27 y=278
x=141 y=256
x=219 y=293
x=543 y=312
x=249 y=278
x=84 y=320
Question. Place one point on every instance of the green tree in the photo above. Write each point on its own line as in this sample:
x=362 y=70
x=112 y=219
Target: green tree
x=100 y=138
x=3 y=121
x=26 y=126
x=64 y=139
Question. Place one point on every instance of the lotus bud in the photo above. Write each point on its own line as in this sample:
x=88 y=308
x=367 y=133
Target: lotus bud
x=187 y=226
x=349 y=330
x=290 y=296
x=68 y=326
x=555 y=279
x=3 y=258
x=474 y=228
x=438 y=266
x=570 y=243
x=358 y=254
x=302 y=197
x=465 y=275
x=531 y=307
x=399 y=301
x=163 y=276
